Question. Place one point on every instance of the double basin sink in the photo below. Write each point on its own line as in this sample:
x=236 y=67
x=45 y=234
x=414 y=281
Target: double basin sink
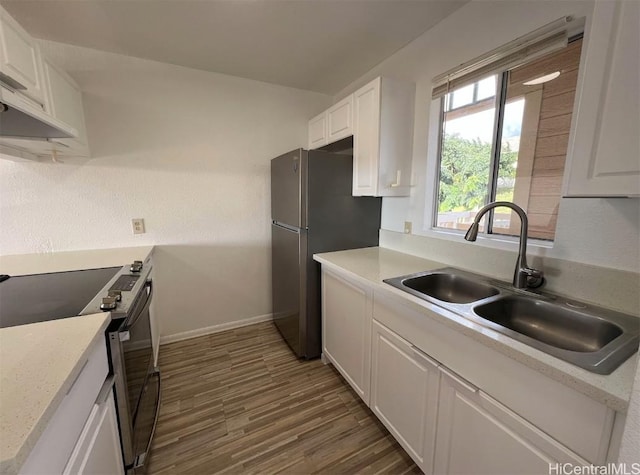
x=596 y=339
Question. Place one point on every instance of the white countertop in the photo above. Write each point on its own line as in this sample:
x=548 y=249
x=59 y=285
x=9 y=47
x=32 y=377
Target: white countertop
x=38 y=364
x=372 y=265
x=42 y=263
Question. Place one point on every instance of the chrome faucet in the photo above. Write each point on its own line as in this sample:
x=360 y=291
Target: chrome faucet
x=524 y=276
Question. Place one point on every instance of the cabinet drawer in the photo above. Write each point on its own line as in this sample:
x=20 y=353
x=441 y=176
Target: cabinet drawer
x=52 y=451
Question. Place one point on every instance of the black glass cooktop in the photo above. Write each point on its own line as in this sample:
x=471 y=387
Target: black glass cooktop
x=41 y=297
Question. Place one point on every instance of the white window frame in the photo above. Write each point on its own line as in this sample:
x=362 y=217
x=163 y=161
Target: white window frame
x=536 y=247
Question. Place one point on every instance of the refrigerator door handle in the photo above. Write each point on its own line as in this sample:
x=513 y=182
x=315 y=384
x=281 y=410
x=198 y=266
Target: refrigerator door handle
x=287 y=227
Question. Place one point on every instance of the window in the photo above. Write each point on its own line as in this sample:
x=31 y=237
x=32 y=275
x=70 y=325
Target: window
x=504 y=137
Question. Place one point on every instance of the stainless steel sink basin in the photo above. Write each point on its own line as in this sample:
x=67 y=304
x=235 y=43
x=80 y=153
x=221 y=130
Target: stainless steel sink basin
x=450 y=287
x=549 y=323
x=594 y=338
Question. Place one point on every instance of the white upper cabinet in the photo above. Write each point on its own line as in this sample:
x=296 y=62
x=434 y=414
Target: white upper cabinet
x=340 y=120
x=318 y=131
x=20 y=62
x=34 y=77
x=380 y=118
x=383 y=138
x=64 y=102
x=604 y=154
x=332 y=125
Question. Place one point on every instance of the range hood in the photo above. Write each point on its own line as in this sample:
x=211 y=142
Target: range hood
x=19 y=118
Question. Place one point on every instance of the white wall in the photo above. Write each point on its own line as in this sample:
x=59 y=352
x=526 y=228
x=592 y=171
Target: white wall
x=186 y=150
x=602 y=232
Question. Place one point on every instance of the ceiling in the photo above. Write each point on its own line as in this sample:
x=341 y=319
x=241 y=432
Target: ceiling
x=317 y=45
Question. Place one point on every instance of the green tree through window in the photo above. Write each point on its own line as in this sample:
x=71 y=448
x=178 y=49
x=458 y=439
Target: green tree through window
x=464 y=173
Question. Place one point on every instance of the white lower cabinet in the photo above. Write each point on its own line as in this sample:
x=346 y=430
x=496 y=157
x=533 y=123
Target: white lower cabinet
x=404 y=393
x=456 y=406
x=476 y=434
x=446 y=424
x=98 y=448
x=54 y=447
x=346 y=329
x=82 y=436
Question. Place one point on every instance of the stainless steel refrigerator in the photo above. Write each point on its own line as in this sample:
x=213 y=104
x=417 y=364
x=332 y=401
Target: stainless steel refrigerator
x=312 y=211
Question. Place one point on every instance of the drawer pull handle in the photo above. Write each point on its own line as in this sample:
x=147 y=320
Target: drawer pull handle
x=425 y=355
x=77 y=376
x=105 y=391
x=458 y=379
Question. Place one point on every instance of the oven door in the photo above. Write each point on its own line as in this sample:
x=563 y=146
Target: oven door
x=137 y=381
x=137 y=348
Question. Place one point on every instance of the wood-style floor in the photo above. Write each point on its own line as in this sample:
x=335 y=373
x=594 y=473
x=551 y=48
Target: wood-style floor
x=240 y=402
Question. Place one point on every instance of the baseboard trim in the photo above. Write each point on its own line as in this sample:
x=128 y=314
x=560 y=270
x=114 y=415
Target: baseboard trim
x=215 y=329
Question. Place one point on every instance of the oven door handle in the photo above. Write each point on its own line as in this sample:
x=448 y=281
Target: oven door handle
x=142 y=458
x=157 y=414
x=131 y=322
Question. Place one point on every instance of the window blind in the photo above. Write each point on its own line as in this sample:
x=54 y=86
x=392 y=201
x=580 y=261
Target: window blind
x=544 y=40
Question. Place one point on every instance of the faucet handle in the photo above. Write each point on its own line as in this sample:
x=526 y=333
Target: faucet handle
x=535 y=278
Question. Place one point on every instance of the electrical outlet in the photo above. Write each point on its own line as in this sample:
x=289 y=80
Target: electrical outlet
x=138 y=225
x=407 y=227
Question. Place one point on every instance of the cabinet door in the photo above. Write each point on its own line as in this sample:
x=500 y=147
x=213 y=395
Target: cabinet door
x=397 y=100
x=476 y=434
x=404 y=393
x=98 y=448
x=64 y=102
x=383 y=138
x=318 y=131
x=366 y=139
x=346 y=330
x=340 y=120
x=20 y=58
x=604 y=153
